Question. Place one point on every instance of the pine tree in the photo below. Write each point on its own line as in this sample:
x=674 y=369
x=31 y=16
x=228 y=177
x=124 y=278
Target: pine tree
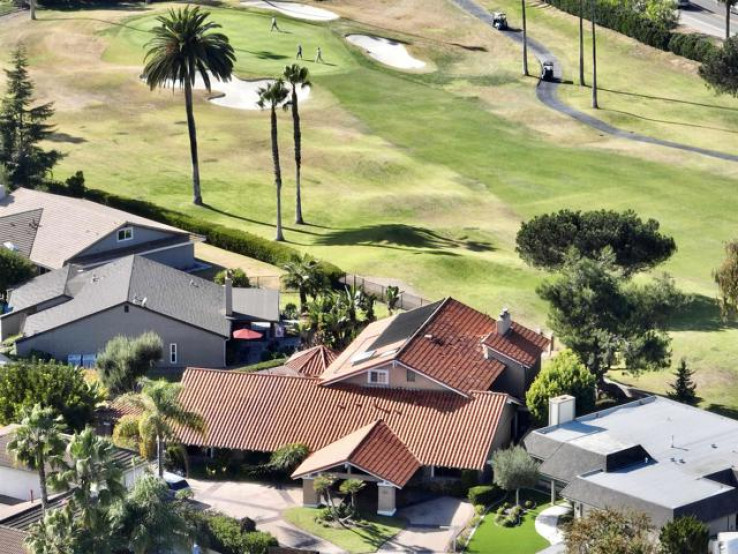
x=683 y=389
x=23 y=127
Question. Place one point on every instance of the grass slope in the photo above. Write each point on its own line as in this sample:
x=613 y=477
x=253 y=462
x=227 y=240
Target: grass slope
x=421 y=177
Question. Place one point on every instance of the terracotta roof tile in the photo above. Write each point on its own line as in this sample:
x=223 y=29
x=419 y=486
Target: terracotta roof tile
x=313 y=361
x=250 y=411
x=11 y=540
x=374 y=449
x=519 y=344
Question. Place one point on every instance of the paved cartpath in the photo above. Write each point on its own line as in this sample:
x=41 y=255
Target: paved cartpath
x=547 y=521
x=708 y=16
x=431 y=525
x=547 y=91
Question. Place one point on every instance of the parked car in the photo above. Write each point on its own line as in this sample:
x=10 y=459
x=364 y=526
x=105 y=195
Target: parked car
x=683 y=4
x=547 y=71
x=175 y=482
x=499 y=20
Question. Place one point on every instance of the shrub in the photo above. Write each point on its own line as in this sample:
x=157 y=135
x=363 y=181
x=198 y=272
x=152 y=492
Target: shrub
x=529 y=505
x=288 y=457
x=238 y=277
x=469 y=478
x=14 y=270
x=509 y=521
x=684 y=535
x=257 y=542
x=76 y=185
x=324 y=514
x=483 y=494
x=229 y=536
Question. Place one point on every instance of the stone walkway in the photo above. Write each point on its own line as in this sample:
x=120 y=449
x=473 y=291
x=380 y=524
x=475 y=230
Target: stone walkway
x=546 y=523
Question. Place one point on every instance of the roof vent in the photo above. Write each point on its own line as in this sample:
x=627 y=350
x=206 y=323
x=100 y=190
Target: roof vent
x=10 y=246
x=94 y=279
x=143 y=302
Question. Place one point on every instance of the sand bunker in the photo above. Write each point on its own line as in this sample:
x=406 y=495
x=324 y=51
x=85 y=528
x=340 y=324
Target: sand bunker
x=293 y=9
x=241 y=95
x=386 y=51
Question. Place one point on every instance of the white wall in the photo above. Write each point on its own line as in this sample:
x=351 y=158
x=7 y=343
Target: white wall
x=17 y=483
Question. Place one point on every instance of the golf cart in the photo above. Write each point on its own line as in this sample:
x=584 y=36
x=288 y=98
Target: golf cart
x=499 y=20
x=547 y=71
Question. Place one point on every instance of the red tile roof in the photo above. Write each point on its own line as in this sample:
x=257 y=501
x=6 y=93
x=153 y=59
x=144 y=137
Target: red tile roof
x=520 y=344
x=250 y=411
x=449 y=348
x=374 y=449
x=313 y=361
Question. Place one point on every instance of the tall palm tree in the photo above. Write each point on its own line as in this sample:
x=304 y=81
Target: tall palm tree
x=297 y=76
x=525 y=40
x=38 y=444
x=595 y=105
x=185 y=45
x=304 y=274
x=581 y=42
x=54 y=534
x=728 y=5
x=161 y=413
x=272 y=96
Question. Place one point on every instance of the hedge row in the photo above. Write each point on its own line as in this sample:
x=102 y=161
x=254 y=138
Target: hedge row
x=484 y=495
x=620 y=18
x=233 y=240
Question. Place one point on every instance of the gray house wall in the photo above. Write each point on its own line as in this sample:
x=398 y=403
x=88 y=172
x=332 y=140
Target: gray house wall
x=110 y=242
x=516 y=379
x=180 y=257
x=195 y=347
x=12 y=322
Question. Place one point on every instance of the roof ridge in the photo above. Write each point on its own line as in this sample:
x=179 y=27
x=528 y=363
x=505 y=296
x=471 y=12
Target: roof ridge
x=423 y=326
x=372 y=426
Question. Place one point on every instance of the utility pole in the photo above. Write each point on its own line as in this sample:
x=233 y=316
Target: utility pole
x=525 y=41
x=581 y=42
x=594 y=56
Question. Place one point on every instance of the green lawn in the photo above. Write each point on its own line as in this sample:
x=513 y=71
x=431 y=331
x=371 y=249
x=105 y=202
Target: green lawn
x=522 y=539
x=421 y=177
x=355 y=540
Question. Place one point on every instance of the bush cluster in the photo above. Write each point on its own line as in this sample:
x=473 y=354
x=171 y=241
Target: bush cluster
x=484 y=494
x=622 y=18
x=228 y=535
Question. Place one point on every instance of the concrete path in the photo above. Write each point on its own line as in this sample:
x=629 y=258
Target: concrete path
x=264 y=504
x=431 y=525
x=547 y=91
x=547 y=521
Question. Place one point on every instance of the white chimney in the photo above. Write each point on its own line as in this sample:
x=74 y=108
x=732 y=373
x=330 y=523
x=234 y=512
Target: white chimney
x=561 y=409
x=504 y=322
x=228 y=290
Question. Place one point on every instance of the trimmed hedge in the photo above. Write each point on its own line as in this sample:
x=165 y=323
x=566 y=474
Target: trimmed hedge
x=484 y=494
x=617 y=17
x=233 y=240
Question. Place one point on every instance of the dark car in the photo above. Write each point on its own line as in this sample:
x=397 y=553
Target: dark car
x=547 y=71
x=499 y=20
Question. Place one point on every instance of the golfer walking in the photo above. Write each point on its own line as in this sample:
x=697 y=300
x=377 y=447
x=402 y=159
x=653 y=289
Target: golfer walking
x=319 y=56
x=275 y=27
x=299 y=52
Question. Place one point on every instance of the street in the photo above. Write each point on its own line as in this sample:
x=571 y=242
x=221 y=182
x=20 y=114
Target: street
x=708 y=17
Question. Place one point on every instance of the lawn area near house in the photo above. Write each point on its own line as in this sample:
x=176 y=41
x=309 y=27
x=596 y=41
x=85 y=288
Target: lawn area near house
x=419 y=177
x=355 y=540
x=522 y=539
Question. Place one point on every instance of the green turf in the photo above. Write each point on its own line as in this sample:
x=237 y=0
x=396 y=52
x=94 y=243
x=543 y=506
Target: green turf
x=522 y=539
x=373 y=533
x=423 y=178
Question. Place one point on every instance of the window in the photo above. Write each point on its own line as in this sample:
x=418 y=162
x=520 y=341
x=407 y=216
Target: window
x=126 y=308
x=88 y=360
x=378 y=377
x=126 y=233
x=410 y=377
x=74 y=360
x=173 y=353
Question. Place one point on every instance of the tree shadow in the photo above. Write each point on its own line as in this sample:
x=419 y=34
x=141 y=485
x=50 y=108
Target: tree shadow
x=470 y=48
x=701 y=313
x=401 y=237
x=680 y=123
x=256 y=221
x=265 y=55
x=723 y=410
x=665 y=99
x=64 y=137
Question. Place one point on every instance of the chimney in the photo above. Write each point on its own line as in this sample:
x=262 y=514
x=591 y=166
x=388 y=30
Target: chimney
x=228 y=289
x=504 y=322
x=561 y=409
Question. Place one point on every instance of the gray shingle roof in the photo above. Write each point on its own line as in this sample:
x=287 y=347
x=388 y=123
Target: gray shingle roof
x=20 y=229
x=41 y=289
x=155 y=287
x=66 y=226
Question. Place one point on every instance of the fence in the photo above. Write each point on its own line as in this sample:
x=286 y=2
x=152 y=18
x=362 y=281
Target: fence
x=407 y=300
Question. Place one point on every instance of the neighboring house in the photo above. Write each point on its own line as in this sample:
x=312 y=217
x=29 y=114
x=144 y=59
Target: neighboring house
x=413 y=397
x=11 y=540
x=71 y=313
x=53 y=231
x=653 y=455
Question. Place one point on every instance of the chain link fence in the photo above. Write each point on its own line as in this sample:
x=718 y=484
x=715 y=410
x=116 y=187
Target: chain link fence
x=407 y=300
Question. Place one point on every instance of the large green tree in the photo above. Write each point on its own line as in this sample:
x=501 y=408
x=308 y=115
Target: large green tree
x=297 y=77
x=38 y=444
x=546 y=240
x=610 y=531
x=608 y=320
x=683 y=389
x=124 y=360
x=720 y=71
x=185 y=45
x=272 y=96
x=304 y=274
x=684 y=535
x=14 y=270
x=565 y=374
x=56 y=533
x=514 y=469
x=60 y=387
x=160 y=412
x=726 y=278
x=23 y=127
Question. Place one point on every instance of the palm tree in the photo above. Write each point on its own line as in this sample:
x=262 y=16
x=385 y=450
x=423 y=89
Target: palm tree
x=304 y=274
x=184 y=45
x=272 y=96
x=161 y=412
x=54 y=534
x=728 y=5
x=38 y=444
x=297 y=76
x=594 y=56
x=393 y=295
x=525 y=41
x=322 y=485
x=581 y=42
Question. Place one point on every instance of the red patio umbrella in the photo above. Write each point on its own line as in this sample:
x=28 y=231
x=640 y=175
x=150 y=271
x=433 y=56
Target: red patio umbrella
x=246 y=334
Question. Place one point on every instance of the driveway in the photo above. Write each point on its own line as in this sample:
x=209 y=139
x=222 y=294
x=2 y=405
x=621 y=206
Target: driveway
x=431 y=525
x=264 y=504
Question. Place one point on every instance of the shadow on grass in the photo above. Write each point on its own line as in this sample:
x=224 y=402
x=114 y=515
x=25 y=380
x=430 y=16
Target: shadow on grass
x=257 y=222
x=64 y=137
x=680 y=123
x=701 y=313
x=665 y=99
x=723 y=410
x=264 y=54
x=399 y=236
